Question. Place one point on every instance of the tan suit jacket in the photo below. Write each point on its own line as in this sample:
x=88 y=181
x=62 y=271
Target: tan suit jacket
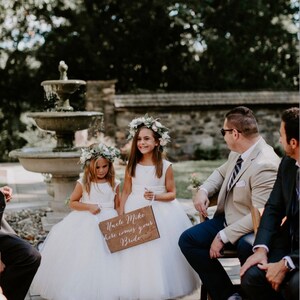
x=252 y=186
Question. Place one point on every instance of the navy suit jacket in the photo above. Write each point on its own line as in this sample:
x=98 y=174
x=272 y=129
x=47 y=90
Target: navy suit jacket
x=272 y=232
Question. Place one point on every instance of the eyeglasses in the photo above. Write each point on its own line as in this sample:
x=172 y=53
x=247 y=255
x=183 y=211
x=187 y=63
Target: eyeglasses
x=223 y=131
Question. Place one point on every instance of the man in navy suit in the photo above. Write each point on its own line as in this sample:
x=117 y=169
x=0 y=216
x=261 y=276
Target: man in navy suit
x=19 y=260
x=272 y=272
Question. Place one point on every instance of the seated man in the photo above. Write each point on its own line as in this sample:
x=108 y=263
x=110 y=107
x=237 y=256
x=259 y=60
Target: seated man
x=19 y=260
x=272 y=272
x=245 y=179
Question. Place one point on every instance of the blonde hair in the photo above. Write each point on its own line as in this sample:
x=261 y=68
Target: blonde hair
x=135 y=155
x=90 y=173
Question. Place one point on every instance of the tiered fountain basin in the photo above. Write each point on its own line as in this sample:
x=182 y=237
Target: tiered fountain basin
x=65 y=124
x=62 y=161
x=48 y=160
x=63 y=166
x=64 y=121
x=61 y=91
x=66 y=87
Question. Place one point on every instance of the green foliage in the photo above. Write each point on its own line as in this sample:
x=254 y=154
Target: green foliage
x=183 y=170
x=158 y=45
x=211 y=153
x=250 y=45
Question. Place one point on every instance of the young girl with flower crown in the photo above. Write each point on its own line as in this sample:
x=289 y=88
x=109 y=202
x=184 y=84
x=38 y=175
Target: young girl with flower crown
x=76 y=262
x=156 y=269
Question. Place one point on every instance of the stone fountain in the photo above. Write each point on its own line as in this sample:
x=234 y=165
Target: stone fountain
x=61 y=161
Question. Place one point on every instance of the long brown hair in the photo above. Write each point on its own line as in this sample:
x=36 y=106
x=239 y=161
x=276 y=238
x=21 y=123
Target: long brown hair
x=90 y=173
x=135 y=154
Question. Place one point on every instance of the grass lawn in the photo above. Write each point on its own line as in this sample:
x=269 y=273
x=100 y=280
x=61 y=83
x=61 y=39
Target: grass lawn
x=182 y=171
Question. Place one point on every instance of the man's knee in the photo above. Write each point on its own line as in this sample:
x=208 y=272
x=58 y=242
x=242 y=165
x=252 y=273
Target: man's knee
x=252 y=276
x=292 y=287
x=32 y=256
x=36 y=257
x=183 y=241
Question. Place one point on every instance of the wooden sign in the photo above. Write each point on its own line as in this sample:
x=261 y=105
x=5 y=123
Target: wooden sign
x=131 y=229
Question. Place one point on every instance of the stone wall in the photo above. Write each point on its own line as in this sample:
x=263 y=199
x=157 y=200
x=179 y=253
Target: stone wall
x=194 y=119
x=100 y=97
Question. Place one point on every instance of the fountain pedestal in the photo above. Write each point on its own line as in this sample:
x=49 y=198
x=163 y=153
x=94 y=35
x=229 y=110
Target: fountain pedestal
x=62 y=189
x=62 y=186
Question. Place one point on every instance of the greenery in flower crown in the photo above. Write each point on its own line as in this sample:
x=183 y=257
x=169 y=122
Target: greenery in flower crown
x=150 y=123
x=99 y=150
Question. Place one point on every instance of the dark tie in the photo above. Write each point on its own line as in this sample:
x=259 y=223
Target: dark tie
x=236 y=170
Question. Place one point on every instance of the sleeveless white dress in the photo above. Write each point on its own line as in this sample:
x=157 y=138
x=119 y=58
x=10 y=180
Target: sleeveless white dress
x=156 y=269
x=76 y=262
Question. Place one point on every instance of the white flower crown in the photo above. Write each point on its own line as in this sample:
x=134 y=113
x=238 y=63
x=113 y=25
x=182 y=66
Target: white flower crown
x=150 y=123
x=99 y=150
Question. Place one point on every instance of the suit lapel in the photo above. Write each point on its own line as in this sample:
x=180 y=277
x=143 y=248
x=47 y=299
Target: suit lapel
x=228 y=174
x=247 y=163
x=223 y=191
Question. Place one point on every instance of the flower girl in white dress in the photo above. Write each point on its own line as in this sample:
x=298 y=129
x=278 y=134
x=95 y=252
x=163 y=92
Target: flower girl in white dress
x=156 y=269
x=76 y=262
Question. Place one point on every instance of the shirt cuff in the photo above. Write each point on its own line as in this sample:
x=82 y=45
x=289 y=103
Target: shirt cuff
x=291 y=263
x=260 y=246
x=223 y=237
x=201 y=188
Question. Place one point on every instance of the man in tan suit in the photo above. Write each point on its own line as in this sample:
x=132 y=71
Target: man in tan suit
x=245 y=179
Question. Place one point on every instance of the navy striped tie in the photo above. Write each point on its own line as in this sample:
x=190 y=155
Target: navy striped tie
x=235 y=171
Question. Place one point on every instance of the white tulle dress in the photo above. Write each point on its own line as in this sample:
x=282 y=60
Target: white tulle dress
x=156 y=269
x=76 y=262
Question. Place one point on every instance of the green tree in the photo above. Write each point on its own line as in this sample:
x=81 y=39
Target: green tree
x=134 y=42
x=249 y=45
x=18 y=84
x=171 y=46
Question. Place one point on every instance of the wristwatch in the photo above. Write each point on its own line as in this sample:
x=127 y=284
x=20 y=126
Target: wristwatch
x=287 y=265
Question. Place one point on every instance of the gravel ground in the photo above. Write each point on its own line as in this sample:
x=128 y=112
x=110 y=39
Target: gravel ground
x=27 y=224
